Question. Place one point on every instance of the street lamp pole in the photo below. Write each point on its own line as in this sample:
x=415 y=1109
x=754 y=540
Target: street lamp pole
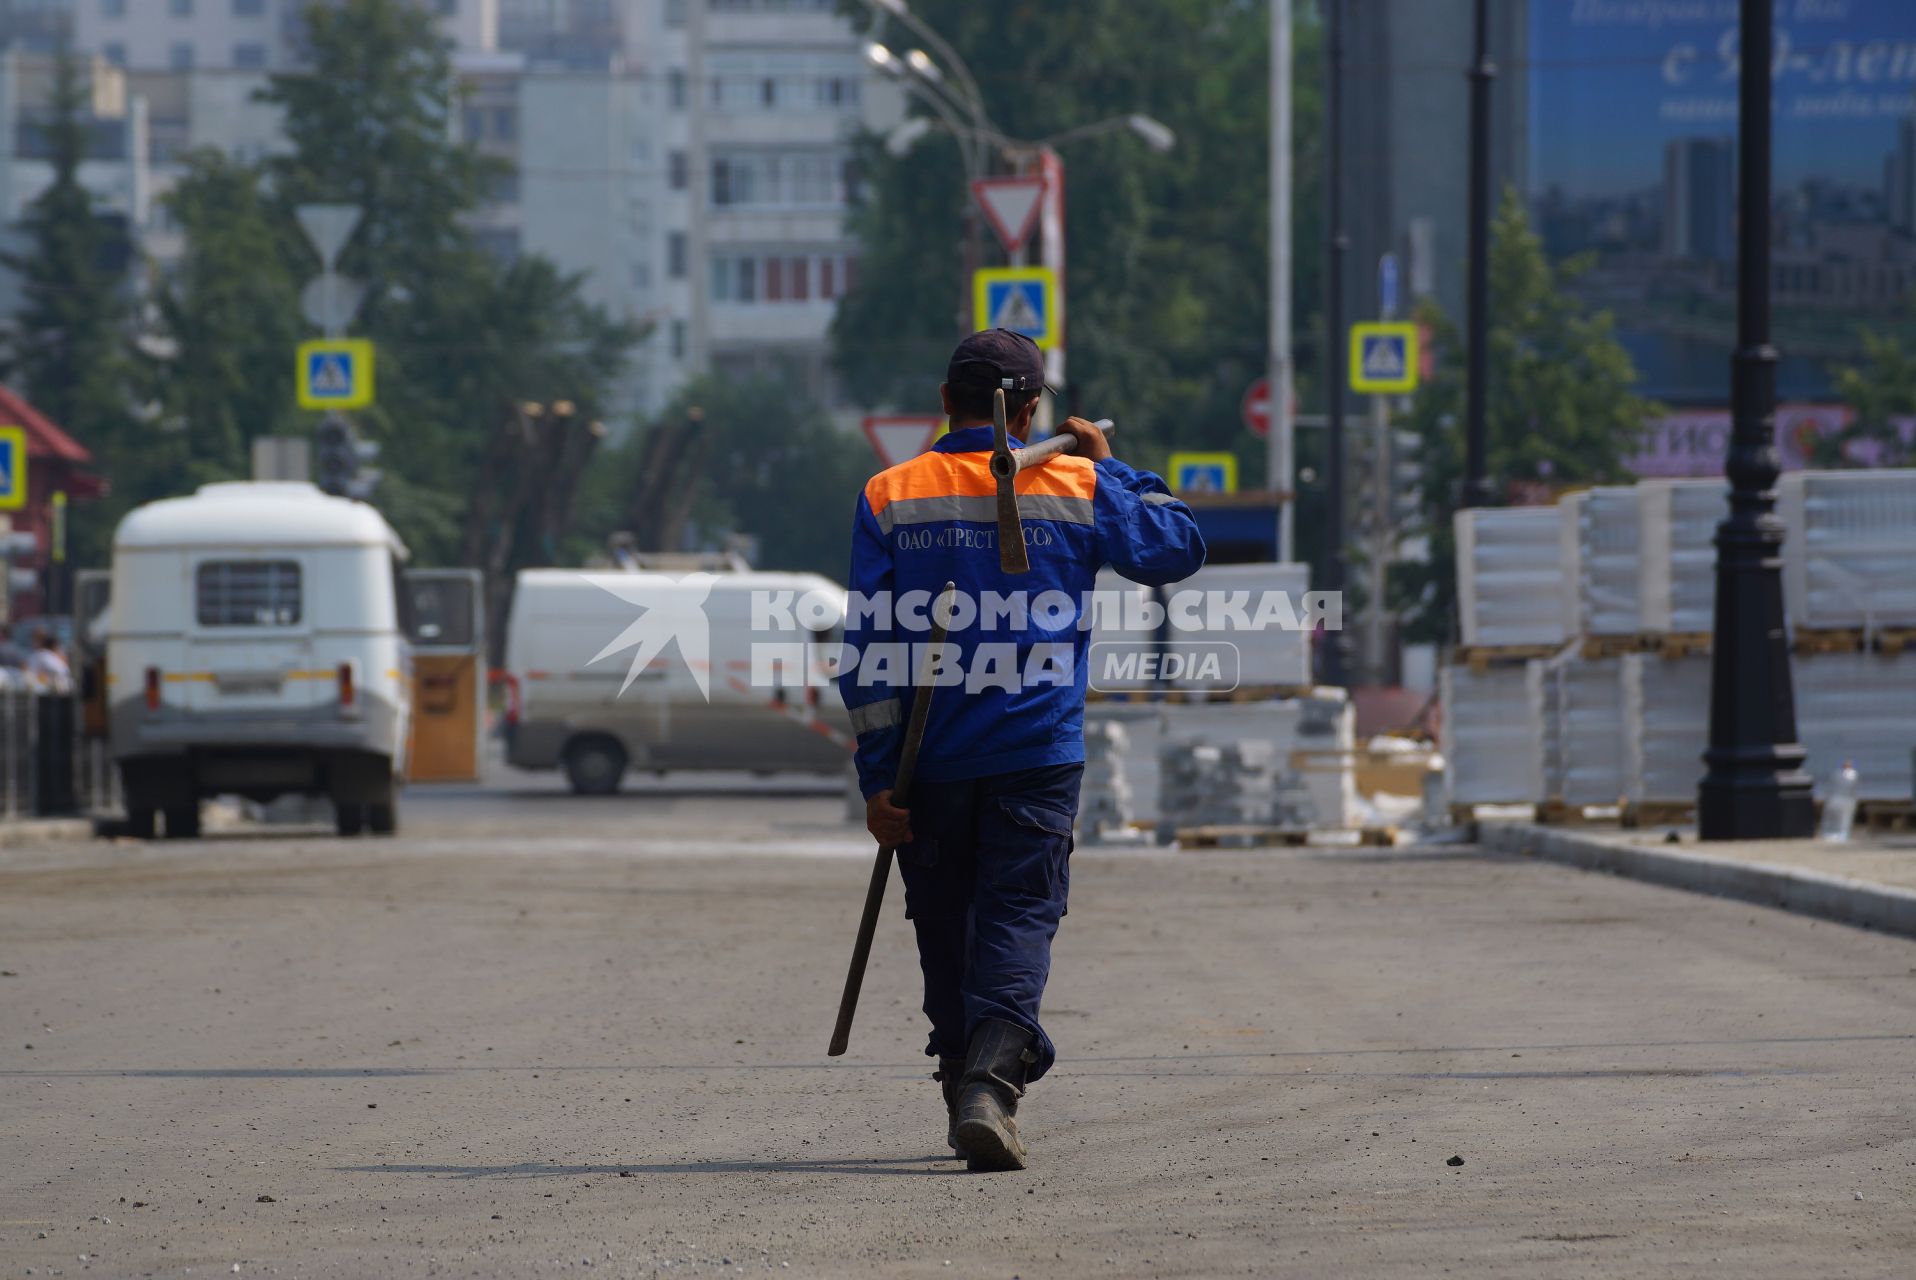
x=1477 y=410
x=1334 y=346
x=1281 y=464
x=1755 y=787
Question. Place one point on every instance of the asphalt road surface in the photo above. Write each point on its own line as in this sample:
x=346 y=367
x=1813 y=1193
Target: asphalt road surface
x=536 y=1035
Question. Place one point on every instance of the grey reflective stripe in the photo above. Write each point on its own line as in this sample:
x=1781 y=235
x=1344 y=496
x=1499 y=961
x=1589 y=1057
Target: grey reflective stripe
x=1158 y=499
x=875 y=715
x=984 y=510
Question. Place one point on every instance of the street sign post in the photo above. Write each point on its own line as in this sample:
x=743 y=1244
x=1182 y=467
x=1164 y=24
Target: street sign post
x=1384 y=359
x=1011 y=207
x=335 y=373
x=1256 y=407
x=13 y=468
x=1204 y=472
x=1022 y=299
x=1389 y=286
x=900 y=437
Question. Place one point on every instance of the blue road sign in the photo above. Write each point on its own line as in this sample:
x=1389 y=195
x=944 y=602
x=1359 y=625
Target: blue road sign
x=1384 y=359
x=1389 y=286
x=336 y=373
x=13 y=468
x=1022 y=299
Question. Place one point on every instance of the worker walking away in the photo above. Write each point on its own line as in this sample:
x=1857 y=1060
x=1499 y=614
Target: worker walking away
x=985 y=835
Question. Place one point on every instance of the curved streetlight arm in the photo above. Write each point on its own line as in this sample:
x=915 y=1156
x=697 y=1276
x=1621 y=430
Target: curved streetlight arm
x=972 y=99
x=1157 y=135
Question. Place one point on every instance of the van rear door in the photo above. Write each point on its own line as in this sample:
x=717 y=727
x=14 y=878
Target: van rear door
x=446 y=625
x=250 y=637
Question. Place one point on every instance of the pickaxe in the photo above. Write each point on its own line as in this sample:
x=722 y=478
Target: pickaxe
x=1006 y=463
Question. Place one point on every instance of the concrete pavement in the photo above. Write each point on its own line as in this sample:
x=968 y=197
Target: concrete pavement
x=541 y=1036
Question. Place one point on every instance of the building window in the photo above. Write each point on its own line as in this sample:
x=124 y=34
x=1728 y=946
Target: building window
x=247 y=593
x=722 y=279
x=180 y=58
x=675 y=255
x=180 y=8
x=249 y=56
x=249 y=8
x=774 y=280
x=768 y=92
x=448 y=8
x=679 y=169
x=678 y=339
x=674 y=13
x=505 y=124
x=798 y=277
x=113 y=8
x=675 y=88
x=474 y=122
x=114 y=52
x=827 y=268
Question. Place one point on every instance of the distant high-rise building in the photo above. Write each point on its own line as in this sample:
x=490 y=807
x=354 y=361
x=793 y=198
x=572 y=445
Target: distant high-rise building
x=1899 y=180
x=35 y=26
x=1699 y=199
x=247 y=35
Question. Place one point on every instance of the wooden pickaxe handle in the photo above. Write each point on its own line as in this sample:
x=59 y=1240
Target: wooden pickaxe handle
x=1006 y=463
x=900 y=790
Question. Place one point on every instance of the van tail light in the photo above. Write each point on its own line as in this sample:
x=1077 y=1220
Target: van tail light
x=152 y=688
x=347 y=693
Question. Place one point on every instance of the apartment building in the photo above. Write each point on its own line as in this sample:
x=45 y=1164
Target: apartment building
x=245 y=35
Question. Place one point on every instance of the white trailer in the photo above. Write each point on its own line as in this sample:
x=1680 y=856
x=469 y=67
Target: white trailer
x=576 y=710
x=256 y=646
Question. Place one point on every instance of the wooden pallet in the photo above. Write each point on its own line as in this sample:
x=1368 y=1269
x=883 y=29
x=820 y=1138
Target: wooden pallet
x=1555 y=813
x=1685 y=645
x=1893 y=640
x=1480 y=658
x=1886 y=817
x=1254 y=837
x=1613 y=646
x=1638 y=814
x=1841 y=640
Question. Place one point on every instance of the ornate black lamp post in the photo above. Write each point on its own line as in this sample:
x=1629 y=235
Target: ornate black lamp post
x=1755 y=787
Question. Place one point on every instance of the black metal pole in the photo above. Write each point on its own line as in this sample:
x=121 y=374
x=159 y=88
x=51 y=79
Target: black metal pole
x=1755 y=787
x=1335 y=336
x=1476 y=417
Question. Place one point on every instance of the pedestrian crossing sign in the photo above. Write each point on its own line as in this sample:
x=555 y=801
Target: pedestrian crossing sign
x=1204 y=473
x=1021 y=299
x=335 y=373
x=1384 y=359
x=13 y=468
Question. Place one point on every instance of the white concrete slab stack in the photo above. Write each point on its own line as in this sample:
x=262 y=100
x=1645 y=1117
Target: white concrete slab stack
x=1666 y=725
x=1510 y=576
x=1492 y=734
x=1589 y=727
x=1676 y=532
x=1118 y=631
x=1599 y=536
x=1860 y=708
x=1850 y=558
x=1268 y=657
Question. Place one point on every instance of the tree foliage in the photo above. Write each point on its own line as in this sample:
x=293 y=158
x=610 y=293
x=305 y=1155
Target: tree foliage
x=1881 y=390
x=1167 y=254
x=1563 y=408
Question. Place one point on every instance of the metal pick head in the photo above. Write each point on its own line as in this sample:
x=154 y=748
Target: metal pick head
x=1004 y=469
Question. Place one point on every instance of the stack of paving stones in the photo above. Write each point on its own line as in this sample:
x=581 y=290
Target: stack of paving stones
x=1105 y=804
x=1234 y=784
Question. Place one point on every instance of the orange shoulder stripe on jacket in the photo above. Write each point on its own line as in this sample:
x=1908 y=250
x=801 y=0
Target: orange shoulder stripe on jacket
x=968 y=475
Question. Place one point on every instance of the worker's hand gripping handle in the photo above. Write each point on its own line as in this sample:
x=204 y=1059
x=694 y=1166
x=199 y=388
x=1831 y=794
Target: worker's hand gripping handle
x=941 y=615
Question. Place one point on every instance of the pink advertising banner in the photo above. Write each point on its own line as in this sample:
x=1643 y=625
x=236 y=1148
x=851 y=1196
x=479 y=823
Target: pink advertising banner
x=1694 y=442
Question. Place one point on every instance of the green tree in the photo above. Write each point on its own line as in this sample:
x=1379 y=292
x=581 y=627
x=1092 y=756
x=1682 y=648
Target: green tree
x=68 y=350
x=463 y=340
x=1881 y=389
x=1167 y=254
x=779 y=471
x=231 y=312
x=1563 y=408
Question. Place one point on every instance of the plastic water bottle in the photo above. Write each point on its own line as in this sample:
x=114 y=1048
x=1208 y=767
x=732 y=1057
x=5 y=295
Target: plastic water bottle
x=1839 y=808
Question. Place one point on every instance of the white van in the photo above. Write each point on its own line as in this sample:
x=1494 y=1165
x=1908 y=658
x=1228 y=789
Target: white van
x=256 y=646
x=577 y=714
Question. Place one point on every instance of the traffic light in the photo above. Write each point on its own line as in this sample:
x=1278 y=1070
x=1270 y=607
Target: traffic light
x=339 y=458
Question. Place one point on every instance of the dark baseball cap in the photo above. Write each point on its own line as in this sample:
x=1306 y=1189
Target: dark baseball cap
x=997 y=358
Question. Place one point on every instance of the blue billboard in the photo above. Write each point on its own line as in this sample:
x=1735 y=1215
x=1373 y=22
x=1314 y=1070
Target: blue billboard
x=1631 y=159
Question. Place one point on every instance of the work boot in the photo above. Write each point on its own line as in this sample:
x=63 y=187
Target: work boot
x=986 y=1135
x=950 y=1075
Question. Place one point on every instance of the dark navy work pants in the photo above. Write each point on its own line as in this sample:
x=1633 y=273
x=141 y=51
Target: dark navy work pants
x=986 y=877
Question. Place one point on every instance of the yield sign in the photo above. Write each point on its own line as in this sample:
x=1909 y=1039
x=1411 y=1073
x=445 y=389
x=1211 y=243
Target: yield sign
x=899 y=438
x=1011 y=206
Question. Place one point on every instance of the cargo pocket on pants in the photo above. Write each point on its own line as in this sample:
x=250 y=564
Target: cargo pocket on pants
x=1030 y=850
